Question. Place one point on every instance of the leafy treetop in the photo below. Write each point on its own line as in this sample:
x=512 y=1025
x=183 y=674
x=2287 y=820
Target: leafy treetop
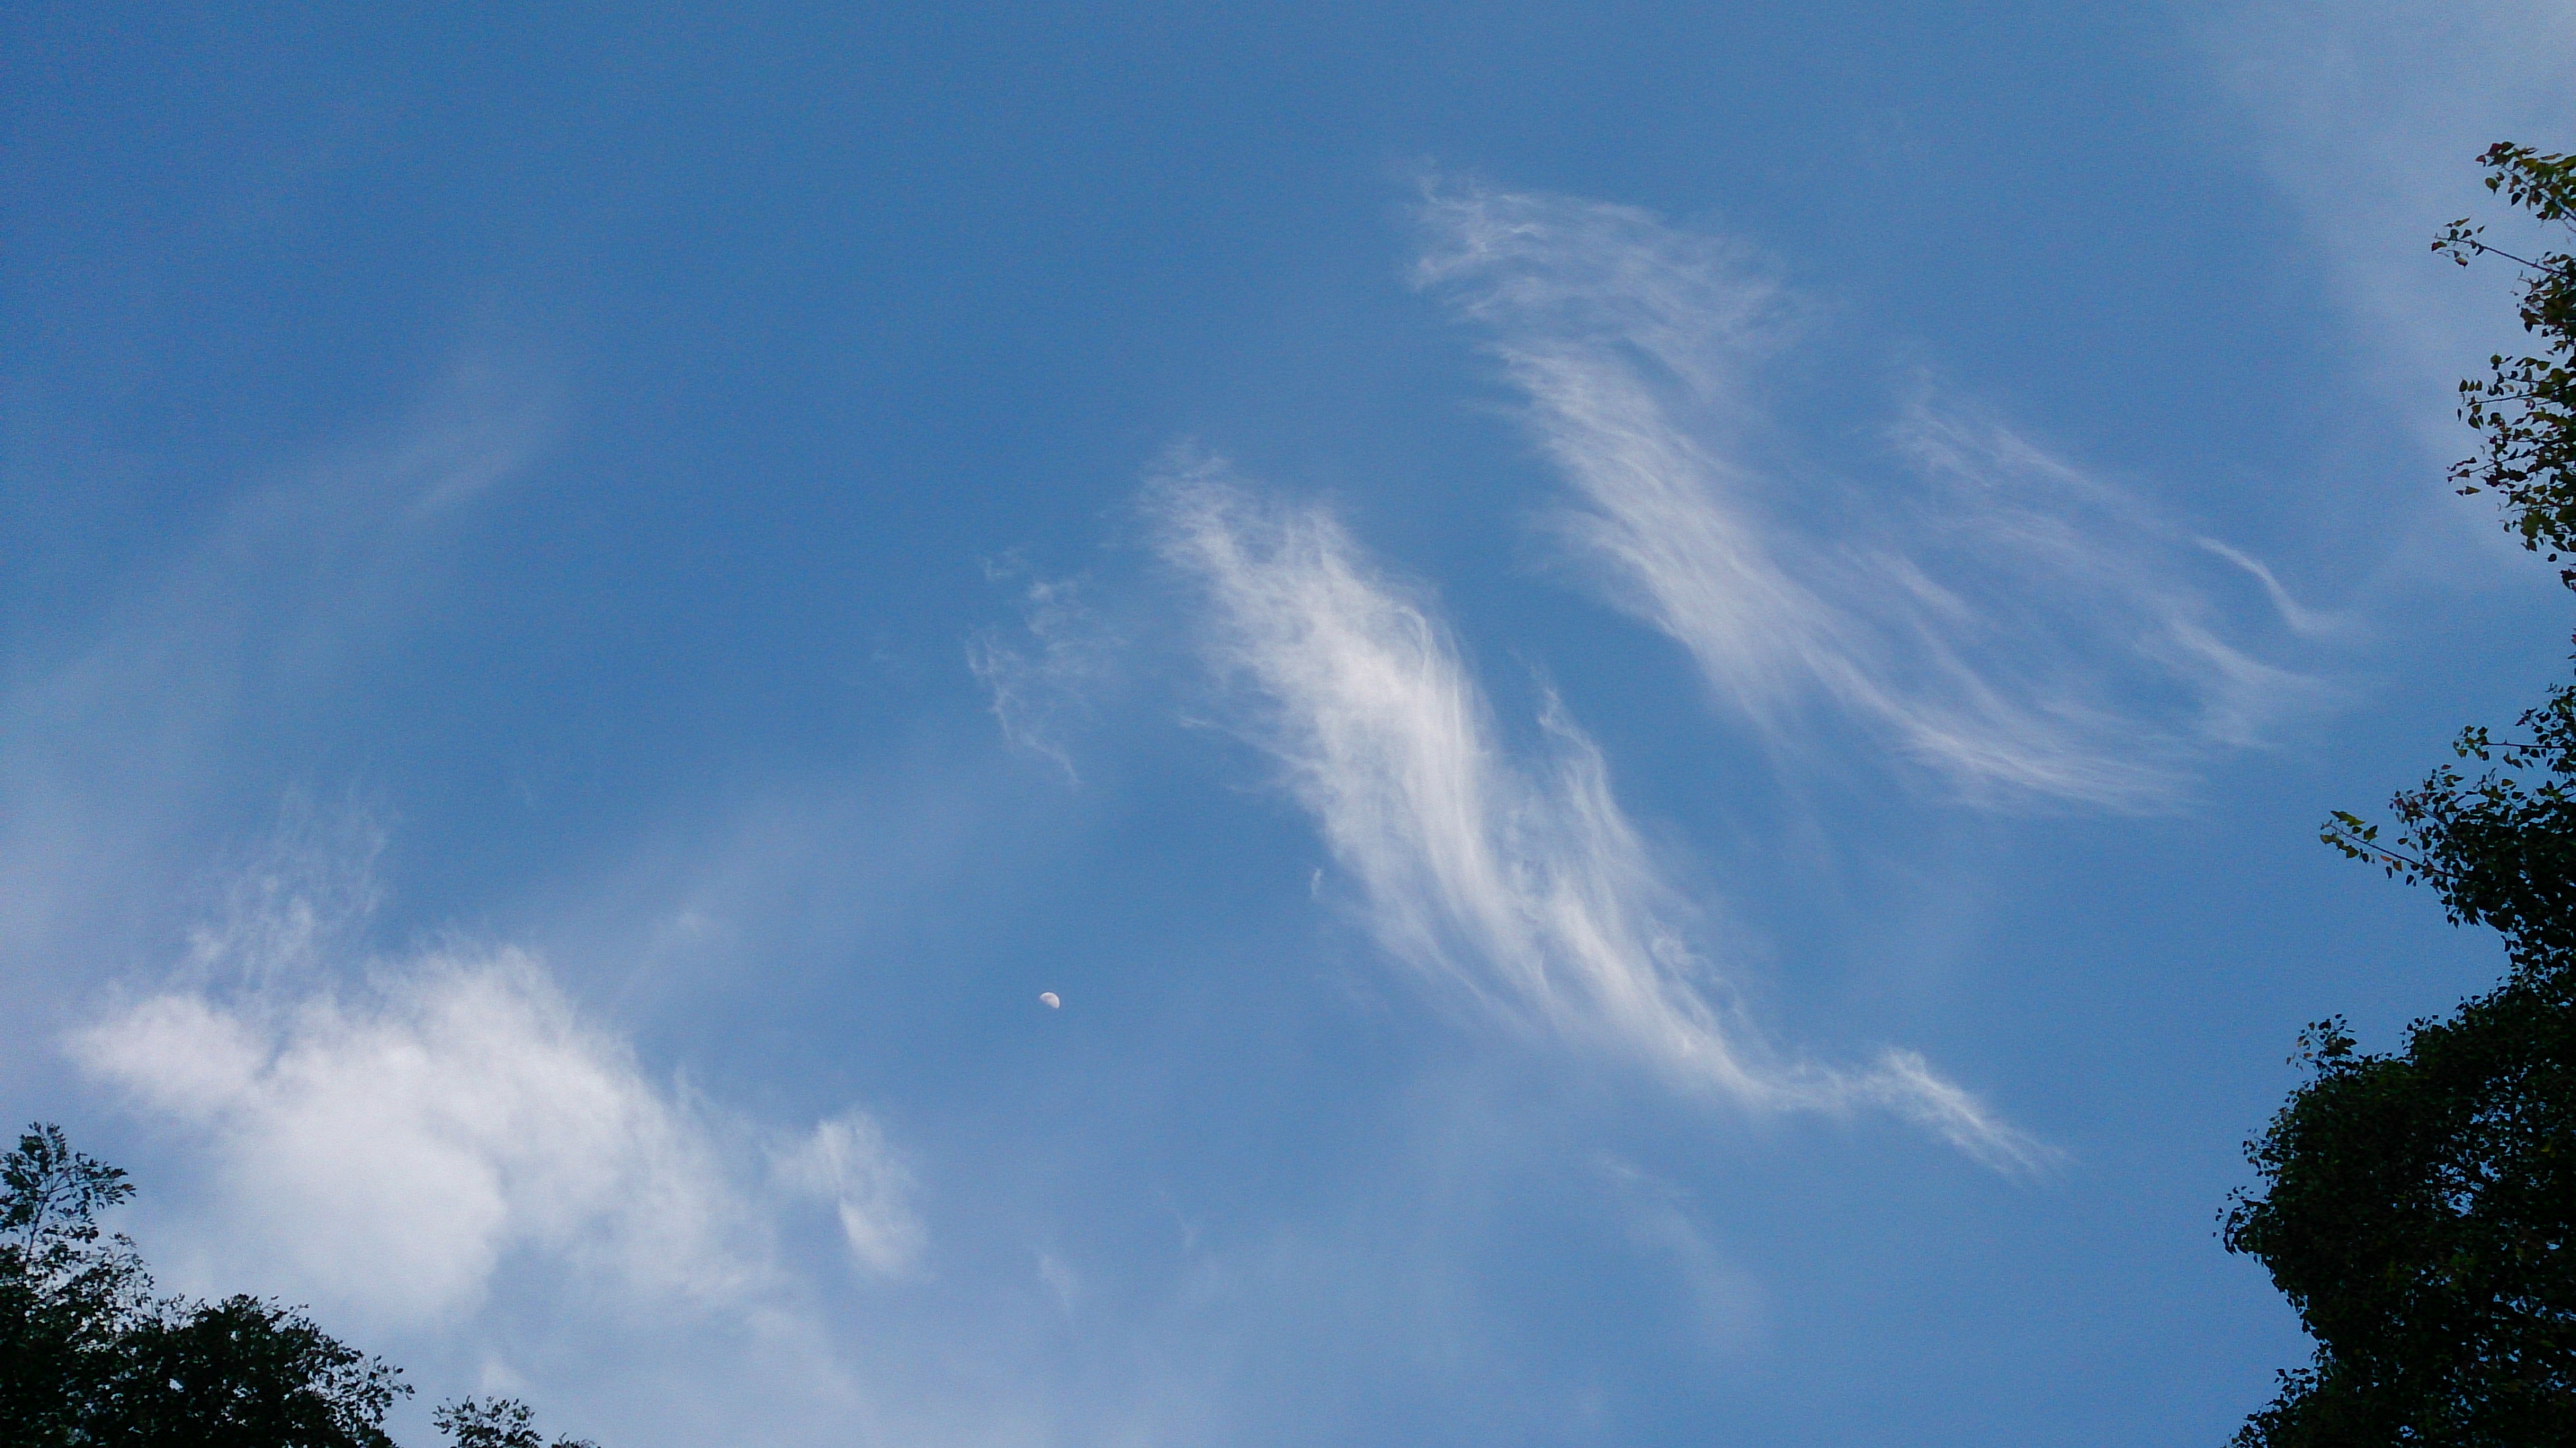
x=90 y=1356
x=2525 y=409
x=2418 y=1208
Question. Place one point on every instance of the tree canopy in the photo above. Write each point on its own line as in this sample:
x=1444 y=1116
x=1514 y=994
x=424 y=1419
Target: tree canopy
x=2416 y=1206
x=89 y=1355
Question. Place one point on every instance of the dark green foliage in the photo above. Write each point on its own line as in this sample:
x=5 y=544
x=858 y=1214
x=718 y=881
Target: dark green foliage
x=496 y=1423
x=2417 y=1217
x=2526 y=408
x=2417 y=1207
x=89 y=1356
x=63 y=1294
x=243 y=1372
x=2500 y=849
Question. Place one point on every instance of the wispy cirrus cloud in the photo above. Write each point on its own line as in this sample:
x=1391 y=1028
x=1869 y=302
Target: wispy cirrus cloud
x=1989 y=611
x=385 y=1135
x=1520 y=886
x=1038 y=676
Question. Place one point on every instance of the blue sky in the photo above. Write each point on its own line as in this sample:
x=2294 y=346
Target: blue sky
x=1655 y=680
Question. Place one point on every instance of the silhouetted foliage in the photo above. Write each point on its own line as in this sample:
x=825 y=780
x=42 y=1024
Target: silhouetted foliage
x=2527 y=405
x=496 y=1423
x=90 y=1358
x=2416 y=1207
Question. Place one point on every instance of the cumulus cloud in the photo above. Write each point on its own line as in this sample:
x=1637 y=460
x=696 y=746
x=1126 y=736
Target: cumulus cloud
x=409 y=1140
x=1521 y=886
x=1988 y=611
x=389 y=1134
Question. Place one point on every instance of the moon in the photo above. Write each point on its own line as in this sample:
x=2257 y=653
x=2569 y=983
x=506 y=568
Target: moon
x=1047 y=998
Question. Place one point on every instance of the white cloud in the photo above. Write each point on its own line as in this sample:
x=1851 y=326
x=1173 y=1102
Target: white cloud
x=1987 y=610
x=398 y=1146
x=387 y=1135
x=1523 y=888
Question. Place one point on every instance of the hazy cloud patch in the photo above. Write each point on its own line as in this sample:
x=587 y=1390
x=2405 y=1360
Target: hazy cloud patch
x=2370 y=117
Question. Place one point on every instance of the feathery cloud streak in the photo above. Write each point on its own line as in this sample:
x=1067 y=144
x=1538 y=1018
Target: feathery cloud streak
x=1526 y=888
x=1989 y=611
x=1035 y=694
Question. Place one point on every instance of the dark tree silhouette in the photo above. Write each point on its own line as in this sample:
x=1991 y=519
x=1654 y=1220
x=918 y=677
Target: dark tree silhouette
x=2416 y=1207
x=90 y=1357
